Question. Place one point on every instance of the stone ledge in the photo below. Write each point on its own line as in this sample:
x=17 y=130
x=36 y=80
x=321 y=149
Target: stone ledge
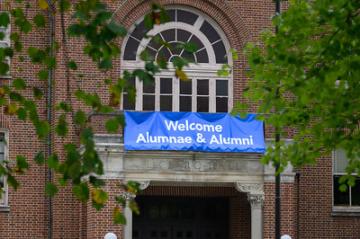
x=4 y=209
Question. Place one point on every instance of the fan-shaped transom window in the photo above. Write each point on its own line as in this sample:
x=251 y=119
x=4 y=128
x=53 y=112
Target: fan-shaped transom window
x=205 y=91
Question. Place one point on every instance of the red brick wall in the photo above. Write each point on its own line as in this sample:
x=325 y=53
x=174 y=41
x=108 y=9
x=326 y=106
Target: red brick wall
x=241 y=21
x=315 y=206
x=288 y=210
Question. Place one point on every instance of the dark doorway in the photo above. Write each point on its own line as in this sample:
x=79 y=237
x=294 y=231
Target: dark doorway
x=181 y=218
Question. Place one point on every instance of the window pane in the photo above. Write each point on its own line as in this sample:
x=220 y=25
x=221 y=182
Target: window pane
x=221 y=104
x=156 y=42
x=209 y=32
x=340 y=161
x=164 y=54
x=186 y=87
x=220 y=52
x=151 y=53
x=340 y=198
x=185 y=103
x=202 y=56
x=169 y=35
x=222 y=87
x=171 y=14
x=176 y=48
x=1 y=186
x=128 y=104
x=187 y=17
x=355 y=193
x=149 y=87
x=139 y=31
x=202 y=104
x=2 y=146
x=166 y=85
x=197 y=42
x=183 y=36
x=131 y=49
x=2 y=157
x=203 y=87
x=188 y=56
x=148 y=102
x=166 y=103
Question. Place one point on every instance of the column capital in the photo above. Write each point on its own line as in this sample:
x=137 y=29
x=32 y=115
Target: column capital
x=255 y=192
x=128 y=196
x=144 y=185
x=256 y=200
x=250 y=188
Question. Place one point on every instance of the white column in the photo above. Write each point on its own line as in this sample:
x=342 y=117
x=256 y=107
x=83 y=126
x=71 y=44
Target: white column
x=128 y=215
x=128 y=228
x=255 y=195
x=256 y=202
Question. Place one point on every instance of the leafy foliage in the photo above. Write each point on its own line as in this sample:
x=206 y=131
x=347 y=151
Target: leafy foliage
x=93 y=22
x=306 y=76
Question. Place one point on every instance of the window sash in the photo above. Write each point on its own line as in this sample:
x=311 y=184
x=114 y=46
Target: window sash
x=3 y=153
x=211 y=96
x=340 y=162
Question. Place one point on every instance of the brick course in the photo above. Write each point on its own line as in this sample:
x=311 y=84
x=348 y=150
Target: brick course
x=306 y=206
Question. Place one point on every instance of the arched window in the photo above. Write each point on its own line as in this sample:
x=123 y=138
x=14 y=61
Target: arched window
x=205 y=91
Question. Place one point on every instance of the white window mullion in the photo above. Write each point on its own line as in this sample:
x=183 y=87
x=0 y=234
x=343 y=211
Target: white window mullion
x=194 y=95
x=212 y=95
x=139 y=95
x=176 y=94
x=199 y=22
x=230 y=95
x=157 y=93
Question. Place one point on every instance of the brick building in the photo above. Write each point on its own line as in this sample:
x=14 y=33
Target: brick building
x=185 y=194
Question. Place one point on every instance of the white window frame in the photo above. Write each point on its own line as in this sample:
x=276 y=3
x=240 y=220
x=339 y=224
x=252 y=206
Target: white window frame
x=336 y=208
x=7 y=42
x=4 y=198
x=193 y=71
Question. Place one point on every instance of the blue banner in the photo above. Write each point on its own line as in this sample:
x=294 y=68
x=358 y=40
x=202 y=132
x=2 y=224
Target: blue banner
x=190 y=131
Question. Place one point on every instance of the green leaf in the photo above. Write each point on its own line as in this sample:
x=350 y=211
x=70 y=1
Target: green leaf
x=40 y=158
x=112 y=125
x=21 y=164
x=64 y=106
x=39 y=20
x=117 y=29
x=118 y=216
x=81 y=191
x=11 y=180
x=50 y=62
x=105 y=64
x=38 y=94
x=43 y=74
x=190 y=47
x=99 y=198
x=53 y=161
x=42 y=129
x=51 y=189
x=4 y=19
x=62 y=126
x=36 y=55
x=72 y=65
x=21 y=113
x=19 y=84
x=80 y=118
x=64 y=5
x=26 y=26
x=4 y=68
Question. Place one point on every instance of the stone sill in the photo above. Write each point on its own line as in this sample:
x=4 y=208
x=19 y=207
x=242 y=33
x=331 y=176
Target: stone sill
x=345 y=212
x=4 y=209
